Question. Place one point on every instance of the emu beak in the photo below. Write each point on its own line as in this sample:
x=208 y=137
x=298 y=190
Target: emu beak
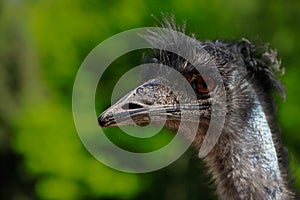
x=150 y=98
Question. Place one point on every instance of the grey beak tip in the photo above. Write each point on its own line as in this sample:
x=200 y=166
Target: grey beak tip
x=101 y=121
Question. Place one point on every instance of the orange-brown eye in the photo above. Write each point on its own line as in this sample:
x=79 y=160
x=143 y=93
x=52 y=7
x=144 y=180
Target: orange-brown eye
x=204 y=85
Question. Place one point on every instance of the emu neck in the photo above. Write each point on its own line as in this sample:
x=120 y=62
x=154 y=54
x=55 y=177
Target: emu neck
x=245 y=163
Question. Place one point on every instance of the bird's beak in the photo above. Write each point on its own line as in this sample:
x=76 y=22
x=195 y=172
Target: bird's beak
x=150 y=102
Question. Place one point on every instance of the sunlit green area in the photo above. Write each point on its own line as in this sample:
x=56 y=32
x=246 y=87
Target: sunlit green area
x=42 y=45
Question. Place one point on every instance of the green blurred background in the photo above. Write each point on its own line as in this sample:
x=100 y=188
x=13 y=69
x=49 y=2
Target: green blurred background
x=42 y=44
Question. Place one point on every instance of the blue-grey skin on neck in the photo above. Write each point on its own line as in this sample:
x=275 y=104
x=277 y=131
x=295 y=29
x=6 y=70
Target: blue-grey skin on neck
x=254 y=170
x=266 y=161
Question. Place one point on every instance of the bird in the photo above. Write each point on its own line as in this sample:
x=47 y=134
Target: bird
x=248 y=160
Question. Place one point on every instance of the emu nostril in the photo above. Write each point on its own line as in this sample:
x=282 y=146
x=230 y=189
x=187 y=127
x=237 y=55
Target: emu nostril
x=140 y=120
x=130 y=106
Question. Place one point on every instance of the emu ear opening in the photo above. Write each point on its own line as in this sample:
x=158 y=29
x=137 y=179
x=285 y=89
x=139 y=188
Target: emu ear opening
x=262 y=62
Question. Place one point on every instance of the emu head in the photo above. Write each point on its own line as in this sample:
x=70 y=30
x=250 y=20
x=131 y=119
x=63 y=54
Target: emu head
x=223 y=77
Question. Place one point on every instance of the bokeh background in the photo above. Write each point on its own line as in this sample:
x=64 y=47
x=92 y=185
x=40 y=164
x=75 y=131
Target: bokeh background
x=42 y=44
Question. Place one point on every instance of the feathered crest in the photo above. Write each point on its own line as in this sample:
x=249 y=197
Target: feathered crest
x=168 y=21
x=174 y=48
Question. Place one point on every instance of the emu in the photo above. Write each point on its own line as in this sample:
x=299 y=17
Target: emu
x=248 y=160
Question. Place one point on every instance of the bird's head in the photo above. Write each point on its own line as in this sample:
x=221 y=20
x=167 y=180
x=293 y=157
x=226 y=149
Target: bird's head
x=211 y=76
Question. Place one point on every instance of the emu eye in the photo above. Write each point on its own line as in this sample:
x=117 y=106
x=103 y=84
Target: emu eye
x=204 y=85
